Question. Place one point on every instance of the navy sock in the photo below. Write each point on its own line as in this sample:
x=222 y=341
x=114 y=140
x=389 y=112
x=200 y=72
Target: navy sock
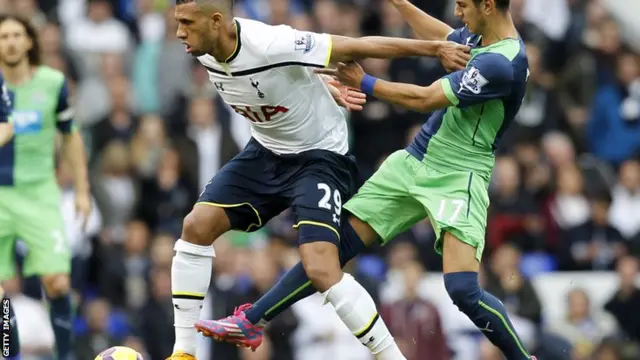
x=486 y=312
x=14 y=342
x=295 y=284
x=61 y=321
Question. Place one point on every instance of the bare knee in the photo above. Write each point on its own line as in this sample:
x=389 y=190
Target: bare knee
x=321 y=263
x=204 y=224
x=56 y=285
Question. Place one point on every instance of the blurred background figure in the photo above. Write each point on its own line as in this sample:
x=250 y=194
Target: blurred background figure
x=565 y=196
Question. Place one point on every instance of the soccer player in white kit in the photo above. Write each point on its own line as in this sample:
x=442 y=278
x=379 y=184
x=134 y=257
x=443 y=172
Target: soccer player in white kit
x=298 y=157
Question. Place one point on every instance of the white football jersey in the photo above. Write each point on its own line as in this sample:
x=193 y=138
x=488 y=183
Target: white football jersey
x=269 y=80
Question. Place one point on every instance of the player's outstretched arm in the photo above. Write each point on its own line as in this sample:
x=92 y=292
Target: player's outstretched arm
x=409 y=96
x=424 y=25
x=452 y=55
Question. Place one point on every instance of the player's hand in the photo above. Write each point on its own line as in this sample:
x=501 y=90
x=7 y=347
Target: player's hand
x=453 y=56
x=349 y=74
x=349 y=98
x=83 y=207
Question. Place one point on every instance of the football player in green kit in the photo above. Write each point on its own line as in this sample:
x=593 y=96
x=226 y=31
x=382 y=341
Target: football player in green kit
x=29 y=195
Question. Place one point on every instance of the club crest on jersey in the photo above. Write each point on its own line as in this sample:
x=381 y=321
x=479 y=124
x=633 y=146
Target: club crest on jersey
x=473 y=81
x=304 y=42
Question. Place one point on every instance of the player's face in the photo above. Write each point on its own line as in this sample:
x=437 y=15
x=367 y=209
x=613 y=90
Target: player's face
x=196 y=30
x=472 y=14
x=14 y=42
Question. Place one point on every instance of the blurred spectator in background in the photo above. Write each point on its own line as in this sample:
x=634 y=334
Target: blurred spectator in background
x=97 y=33
x=595 y=244
x=583 y=326
x=624 y=214
x=157 y=315
x=626 y=300
x=514 y=215
x=615 y=118
x=97 y=337
x=167 y=198
x=507 y=283
x=120 y=123
x=414 y=322
x=115 y=191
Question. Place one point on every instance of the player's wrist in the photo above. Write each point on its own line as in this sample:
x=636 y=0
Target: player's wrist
x=367 y=84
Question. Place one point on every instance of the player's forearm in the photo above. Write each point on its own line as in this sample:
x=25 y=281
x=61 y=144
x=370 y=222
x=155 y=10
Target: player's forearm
x=347 y=49
x=408 y=96
x=6 y=133
x=424 y=25
x=73 y=149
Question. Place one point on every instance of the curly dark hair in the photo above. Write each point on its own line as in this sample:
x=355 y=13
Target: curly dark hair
x=34 y=53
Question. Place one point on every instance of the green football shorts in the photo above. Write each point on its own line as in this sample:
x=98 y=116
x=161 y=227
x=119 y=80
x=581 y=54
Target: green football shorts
x=404 y=191
x=32 y=213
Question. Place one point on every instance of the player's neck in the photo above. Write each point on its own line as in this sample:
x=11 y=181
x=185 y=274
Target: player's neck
x=226 y=44
x=501 y=27
x=19 y=74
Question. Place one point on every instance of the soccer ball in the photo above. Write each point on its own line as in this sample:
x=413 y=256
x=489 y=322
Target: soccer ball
x=119 y=353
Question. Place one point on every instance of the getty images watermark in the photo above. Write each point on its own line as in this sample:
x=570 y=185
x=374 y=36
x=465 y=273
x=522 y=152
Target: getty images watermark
x=6 y=328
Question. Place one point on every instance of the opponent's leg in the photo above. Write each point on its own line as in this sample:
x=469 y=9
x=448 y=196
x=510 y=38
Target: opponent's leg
x=191 y=271
x=485 y=310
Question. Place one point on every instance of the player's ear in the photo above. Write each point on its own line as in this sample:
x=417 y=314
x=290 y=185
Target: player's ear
x=488 y=6
x=216 y=19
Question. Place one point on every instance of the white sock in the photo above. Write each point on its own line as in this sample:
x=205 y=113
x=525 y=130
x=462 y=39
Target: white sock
x=357 y=310
x=190 y=277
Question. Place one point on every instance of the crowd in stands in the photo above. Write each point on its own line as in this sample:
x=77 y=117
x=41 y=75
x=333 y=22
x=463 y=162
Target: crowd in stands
x=565 y=193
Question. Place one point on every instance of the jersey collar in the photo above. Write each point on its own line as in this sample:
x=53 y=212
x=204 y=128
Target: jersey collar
x=236 y=50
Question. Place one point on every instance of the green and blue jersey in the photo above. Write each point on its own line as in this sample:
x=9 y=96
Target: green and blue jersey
x=40 y=109
x=486 y=97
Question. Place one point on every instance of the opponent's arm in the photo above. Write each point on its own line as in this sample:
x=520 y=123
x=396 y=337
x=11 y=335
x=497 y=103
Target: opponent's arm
x=346 y=49
x=412 y=97
x=424 y=25
x=489 y=76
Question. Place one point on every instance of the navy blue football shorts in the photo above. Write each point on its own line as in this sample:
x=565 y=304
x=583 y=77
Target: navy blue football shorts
x=258 y=184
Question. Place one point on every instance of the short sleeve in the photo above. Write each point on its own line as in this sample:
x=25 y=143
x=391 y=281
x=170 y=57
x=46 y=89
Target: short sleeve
x=459 y=35
x=303 y=47
x=64 y=111
x=488 y=76
x=5 y=103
